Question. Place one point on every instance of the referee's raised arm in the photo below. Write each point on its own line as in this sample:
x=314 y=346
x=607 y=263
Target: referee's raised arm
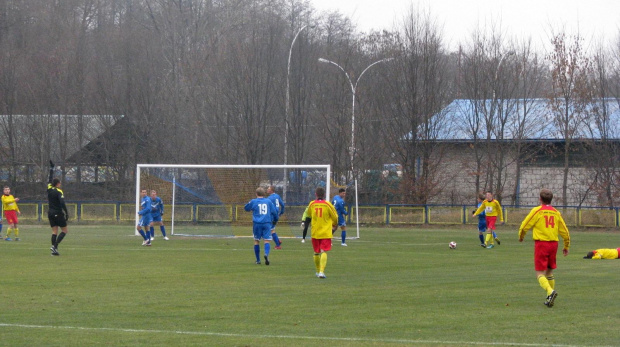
x=51 y=173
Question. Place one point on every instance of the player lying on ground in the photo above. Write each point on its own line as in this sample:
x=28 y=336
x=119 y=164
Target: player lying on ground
x=603 y=253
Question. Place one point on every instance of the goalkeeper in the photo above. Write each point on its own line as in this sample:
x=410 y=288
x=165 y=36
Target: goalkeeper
x=57 y=210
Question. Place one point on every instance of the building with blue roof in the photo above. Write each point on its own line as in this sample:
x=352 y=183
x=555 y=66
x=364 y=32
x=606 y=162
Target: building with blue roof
x=473 y=134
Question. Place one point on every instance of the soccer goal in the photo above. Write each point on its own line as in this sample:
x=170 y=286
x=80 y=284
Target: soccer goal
x=208 y=200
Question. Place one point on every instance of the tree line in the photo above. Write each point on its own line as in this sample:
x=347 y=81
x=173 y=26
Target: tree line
x=224 y=82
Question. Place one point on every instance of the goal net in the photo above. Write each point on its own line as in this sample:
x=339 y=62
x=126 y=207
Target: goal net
x=209 y=200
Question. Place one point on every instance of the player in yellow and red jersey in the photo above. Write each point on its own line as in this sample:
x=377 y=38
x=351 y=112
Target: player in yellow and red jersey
x=492 y=210
x=547 y=223
x=324 y=219
x=11 y=211
x=603 y=253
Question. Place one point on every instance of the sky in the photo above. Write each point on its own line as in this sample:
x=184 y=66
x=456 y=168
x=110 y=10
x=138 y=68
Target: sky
x=518 y=18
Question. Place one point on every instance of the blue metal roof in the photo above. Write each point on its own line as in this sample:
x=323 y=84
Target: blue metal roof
x=466 y=119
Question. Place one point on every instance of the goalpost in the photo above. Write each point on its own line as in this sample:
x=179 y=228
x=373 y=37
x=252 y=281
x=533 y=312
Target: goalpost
x=208 y=200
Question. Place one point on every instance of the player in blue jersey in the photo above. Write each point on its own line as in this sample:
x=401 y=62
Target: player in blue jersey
x=145 y=217
x=279 y=204
x=264 y=215
x=338 y=203
x=157 y=211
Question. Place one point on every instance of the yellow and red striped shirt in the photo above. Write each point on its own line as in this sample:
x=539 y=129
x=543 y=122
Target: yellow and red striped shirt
x=547 y=223
x=491 y=209
x=324 y=217
x=9 y=203
x=606 y=253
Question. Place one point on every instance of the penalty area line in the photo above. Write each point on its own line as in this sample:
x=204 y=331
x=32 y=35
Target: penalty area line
x=318 y=338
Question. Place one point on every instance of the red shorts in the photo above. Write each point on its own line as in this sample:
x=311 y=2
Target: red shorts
x=10 y=216
x=491 y=222
x=545 y=255
x=321 y=245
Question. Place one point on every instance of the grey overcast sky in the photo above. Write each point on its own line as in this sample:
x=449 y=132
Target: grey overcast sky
x=518 y=18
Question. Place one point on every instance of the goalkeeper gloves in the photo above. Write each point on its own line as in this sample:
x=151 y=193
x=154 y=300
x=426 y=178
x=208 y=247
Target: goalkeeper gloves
x=67 y=217
x=303 y=224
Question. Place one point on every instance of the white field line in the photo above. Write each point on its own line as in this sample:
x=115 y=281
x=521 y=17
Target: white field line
x=302 y=337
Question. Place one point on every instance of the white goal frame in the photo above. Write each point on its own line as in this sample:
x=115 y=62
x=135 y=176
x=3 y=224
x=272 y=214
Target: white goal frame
x=139 y=168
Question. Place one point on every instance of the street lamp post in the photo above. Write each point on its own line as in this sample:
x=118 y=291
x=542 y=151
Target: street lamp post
x=286 y=106
x=353 y=91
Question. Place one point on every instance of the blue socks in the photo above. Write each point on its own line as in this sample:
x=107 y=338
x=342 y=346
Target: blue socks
x=257 y=252
x=344 y=235
x=481 y=237
x=152 y=231
x=494 y=234
x=143 y=234
x=276 y=239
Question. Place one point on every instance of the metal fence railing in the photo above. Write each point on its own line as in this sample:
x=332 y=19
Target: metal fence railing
x=603 y=217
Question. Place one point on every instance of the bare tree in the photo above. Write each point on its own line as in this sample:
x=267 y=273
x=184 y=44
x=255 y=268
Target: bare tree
x=333 y=113
x=530 y=78
x=603 y=132
x=569 y=96
x=416 y=91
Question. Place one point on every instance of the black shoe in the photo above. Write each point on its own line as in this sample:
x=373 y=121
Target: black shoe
x=497 y=240
x=483 y=245
x=551 y=299
x=258 y=263
x=266 y=260
x=54 y=250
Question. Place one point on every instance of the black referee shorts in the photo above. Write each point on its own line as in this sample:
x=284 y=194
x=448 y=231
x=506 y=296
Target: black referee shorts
x=57 y=220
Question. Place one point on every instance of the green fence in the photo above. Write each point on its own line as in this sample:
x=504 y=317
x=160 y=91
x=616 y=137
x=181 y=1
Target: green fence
x=371 y=215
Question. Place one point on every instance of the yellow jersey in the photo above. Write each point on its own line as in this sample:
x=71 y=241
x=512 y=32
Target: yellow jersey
x=547 y=223
x=491 y=209
x=606 y=253
x=324 y=217
x=9 y=203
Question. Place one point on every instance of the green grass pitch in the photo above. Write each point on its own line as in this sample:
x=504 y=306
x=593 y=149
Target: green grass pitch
x=392 y=287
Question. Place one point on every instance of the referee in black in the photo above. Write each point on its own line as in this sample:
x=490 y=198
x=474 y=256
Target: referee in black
x=57 y=212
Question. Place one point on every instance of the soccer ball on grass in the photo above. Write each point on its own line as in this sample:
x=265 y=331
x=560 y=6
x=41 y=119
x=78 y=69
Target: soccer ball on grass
x=452 y=245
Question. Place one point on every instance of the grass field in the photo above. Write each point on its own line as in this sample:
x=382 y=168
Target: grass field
x=392 y=287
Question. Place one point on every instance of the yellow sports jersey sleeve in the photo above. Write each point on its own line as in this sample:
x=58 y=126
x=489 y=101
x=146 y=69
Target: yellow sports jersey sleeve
x=9 y=203
x=500 y=213
x=547 y=223
x=480 y=209
x=323 y=216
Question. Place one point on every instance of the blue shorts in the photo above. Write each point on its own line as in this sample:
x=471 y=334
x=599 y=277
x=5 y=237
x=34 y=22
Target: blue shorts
x=157 y=218
x=262 y=231
x=482 y=225
x=145 y=221
x=342 y=221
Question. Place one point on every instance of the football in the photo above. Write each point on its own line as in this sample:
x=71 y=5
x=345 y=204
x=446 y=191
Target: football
x=452 y=245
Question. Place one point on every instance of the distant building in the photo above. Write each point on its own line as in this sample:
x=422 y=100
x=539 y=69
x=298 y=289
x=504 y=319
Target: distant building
x=465 y=131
